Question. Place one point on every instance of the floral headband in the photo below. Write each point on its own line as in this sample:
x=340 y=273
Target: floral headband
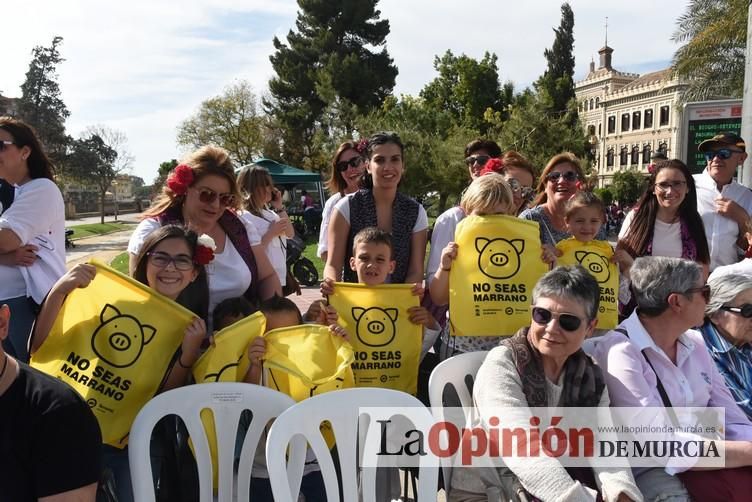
x=180 y=179
x=205 y=248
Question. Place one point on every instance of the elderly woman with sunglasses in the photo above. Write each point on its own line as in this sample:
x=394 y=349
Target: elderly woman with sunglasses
x=654 y=358
x=347 y=170
x=559 y=181
x=202 y=194
x=728 y=334
x=32 y=231
x=543 y=365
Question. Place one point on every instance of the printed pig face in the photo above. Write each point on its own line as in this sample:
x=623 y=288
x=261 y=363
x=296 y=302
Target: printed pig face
x=120 y=339
x=594 y=263
x=499 y=258
x=375 y=326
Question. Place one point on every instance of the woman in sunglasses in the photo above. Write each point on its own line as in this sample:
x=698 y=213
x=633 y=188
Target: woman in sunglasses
x=654 y=358
x=202 y=194
x=348 y=165
x=665 y=221
x=728 y=333
x=543 y=365
x=560 y=180
x=32 y=231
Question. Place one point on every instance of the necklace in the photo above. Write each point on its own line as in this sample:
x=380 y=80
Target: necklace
x=5 y=366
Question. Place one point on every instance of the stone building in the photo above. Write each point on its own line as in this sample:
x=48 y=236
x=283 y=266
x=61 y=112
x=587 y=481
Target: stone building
x=628 y=116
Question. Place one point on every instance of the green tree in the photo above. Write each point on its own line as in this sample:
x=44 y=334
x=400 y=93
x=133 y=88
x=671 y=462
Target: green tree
x=92 y=162
x=714 y=34
x=41 y=104
x=558 y=79
x=336 y=57
x=232 y=120
x=605 y=195
x=627 y=186
x=466 y=88
x=539 y=133
x=162 y=172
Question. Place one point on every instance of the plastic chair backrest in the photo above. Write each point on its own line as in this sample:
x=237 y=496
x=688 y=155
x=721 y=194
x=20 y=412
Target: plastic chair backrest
x=341 y=409
x=451 y=385
x=227 y=401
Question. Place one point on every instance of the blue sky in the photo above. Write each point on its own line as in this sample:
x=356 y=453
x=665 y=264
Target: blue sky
x=143 y=66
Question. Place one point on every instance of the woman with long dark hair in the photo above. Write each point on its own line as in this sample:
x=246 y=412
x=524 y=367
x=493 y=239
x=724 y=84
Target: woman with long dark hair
x=32 y=231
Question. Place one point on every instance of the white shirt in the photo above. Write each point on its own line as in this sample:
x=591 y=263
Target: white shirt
x=666 y=236
x=421 y=223
x=325 y=216
x=721 y=232
x=443 y=234
x=276 y=250
x=227 y=274
x=37 y=217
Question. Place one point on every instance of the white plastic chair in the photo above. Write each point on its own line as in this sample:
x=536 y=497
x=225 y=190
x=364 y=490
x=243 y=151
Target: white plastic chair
x=451 y=385
x=342 y=409
x=227 y=401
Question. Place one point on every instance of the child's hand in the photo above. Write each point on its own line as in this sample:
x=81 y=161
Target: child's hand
x=327 y=315
x=549 y=255
x=327 y=287
x=448 y=255
x=339 y=331
x=624 y=260
x=78 y=277
x=25 y=256
x=314 y=311
x=421 y=315
x=191 y=346
x=418 y=290
x=257 y=350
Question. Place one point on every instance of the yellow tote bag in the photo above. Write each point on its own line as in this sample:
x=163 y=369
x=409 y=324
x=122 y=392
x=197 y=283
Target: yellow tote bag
x=491 y=281
x=595 y=257
x=386 y=344
x=227 y=359
x=113 y=342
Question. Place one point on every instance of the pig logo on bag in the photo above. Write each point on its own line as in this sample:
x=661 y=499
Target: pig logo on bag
x=499 y=258
x=120 y=339
x=217 y=375
x=375 y=326
x=594 y=263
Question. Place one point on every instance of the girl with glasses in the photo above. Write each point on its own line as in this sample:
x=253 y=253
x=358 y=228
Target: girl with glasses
x=171 y=262
x=347 y=167
x=665 y=221
x=202 y=194
x=32 y=231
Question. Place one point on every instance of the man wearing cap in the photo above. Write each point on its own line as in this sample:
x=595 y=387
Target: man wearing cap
x=723 y=204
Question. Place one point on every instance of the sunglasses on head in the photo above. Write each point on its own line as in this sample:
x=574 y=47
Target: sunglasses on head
x=208 y=196
x=5 y=144
x=568 y=322
x=569 y=176
x=745 y=310
x=344 y=165
x=162 y=260
x=704 y=290
x=724 y=153
x=477 y=159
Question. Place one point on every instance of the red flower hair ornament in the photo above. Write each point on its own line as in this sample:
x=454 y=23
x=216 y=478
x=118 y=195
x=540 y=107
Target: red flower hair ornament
x=361 y=146
x=180 y=179
x=205 y=248
x=492 y=165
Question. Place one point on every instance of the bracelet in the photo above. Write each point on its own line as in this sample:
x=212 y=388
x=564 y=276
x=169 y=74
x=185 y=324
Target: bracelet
x=180 y=363
x=280 y=210
x=446 y=269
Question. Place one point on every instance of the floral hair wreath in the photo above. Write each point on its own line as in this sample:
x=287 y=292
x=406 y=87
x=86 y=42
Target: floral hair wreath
x=361 y=146
x=205 y=248
x=180 y=179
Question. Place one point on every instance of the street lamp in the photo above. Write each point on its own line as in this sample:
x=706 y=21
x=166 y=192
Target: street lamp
x=114 y=195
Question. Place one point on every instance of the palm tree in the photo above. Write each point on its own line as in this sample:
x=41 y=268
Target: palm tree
x=714 y=33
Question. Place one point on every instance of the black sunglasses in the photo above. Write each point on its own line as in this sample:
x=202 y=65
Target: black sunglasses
x=477 y=159
x=704 y=290
x=569 y=176
x=724 y=153
x=745 y=310
x=208 y=196
x=568 y=322
x=5 y=144
x=344 y=165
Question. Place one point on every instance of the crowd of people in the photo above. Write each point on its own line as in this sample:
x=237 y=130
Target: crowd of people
x=685 y=296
